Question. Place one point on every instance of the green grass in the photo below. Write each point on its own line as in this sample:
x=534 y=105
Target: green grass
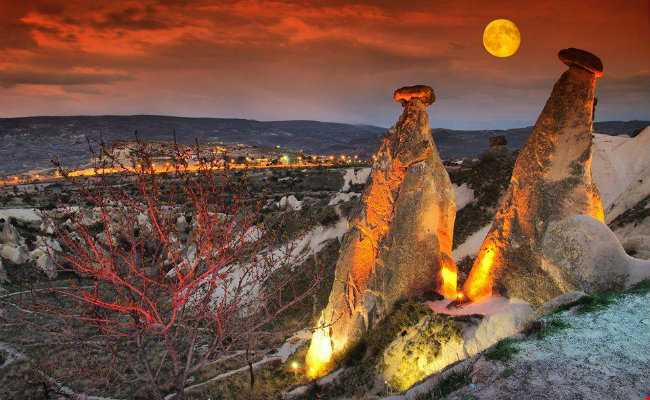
x=449 y=384
x=503 y=350
x=600 y=301
x=588 y=304
x=546 y=328
x=642 y=287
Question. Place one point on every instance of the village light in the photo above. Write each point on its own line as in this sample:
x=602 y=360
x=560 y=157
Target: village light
x=295 y=367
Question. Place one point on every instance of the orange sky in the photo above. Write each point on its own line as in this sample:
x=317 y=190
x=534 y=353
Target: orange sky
x=325 y=60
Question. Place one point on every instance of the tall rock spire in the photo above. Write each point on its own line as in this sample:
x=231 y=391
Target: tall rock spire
x=551 y=180
x=400 y=240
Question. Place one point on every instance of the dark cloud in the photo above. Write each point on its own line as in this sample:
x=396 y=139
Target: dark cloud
x=133 y=18
x=30 y=77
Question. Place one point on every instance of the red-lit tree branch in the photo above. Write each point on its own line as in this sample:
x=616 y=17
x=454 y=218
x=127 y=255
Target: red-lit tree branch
x=174 y=264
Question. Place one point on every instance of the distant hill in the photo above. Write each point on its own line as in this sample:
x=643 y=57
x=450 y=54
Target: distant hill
x=31 y=142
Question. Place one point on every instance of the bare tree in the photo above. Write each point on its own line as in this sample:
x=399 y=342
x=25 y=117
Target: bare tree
x=173 y=263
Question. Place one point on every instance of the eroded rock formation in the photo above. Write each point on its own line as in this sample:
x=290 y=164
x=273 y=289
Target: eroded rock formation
x=551 y=181
x=583 y=254
x=399 y=244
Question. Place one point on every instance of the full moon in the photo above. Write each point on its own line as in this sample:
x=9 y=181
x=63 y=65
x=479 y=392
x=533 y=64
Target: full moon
x=501 y=38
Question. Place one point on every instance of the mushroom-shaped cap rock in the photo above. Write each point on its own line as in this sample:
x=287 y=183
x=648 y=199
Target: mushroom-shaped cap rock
x=422 y=92
x=582 y=59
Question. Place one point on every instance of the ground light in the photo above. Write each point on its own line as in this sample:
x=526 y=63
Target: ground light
x=319 y=354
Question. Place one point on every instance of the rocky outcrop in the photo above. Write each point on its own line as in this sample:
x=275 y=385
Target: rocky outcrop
x=399 y=244
x=583 y=254
x=551 y=181
x=438 y=341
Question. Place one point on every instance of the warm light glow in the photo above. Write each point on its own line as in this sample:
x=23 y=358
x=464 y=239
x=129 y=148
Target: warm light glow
x=448 y=277
x=479 y=282
x=295 y=365
x=167 y=167
x=501 y=38
x=319 y=355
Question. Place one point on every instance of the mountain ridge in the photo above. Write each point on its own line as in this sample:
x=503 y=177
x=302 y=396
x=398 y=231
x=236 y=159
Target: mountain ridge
x=29 y=143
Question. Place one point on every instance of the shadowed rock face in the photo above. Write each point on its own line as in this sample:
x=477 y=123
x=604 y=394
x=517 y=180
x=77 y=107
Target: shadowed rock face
x=551 y=180
x=400 y=236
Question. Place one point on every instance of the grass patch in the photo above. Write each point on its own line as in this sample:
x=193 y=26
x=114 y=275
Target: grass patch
x=449 y=384
x=642 y=287
x=405 y=316
x=551 y=327
x=588 y=304
x=503 y=350
x=601 y=301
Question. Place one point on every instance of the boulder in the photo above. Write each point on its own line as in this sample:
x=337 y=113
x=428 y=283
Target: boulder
x=399 y=244
x=438 y=341
x=14 y=253
x=551 y=181
x=43 y=261
x=8 y=233
x=581 y=253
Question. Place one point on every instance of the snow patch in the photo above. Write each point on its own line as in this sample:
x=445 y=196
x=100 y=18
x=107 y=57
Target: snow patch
x=471 y=245
x=464 y=195
x=343 y=197
x=21 y=214
x=290 y=202
x=355 y=177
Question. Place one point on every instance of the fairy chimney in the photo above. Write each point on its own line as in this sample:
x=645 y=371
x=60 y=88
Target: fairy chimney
x=551 y=181
x=399 y=244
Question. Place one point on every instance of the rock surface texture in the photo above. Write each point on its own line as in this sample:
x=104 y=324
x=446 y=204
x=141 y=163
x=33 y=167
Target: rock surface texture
x=399 y=244
x=551 y=181
x=583 y=254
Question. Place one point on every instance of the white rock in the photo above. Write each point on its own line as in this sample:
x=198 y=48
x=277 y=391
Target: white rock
x=621 y=170
x=581 y=253
x=290 y=202
x=15 y=254
x=503 y=321
x=45 y=263
x=355 y=177
x=27 y=215
x=143 y=220
x=181 y=224
x=8 y=234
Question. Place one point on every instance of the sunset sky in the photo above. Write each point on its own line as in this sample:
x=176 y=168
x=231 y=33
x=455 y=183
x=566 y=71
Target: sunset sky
x=323 y=60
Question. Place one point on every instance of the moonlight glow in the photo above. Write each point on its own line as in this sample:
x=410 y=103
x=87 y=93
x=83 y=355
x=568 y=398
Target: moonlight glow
x=501 y=38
